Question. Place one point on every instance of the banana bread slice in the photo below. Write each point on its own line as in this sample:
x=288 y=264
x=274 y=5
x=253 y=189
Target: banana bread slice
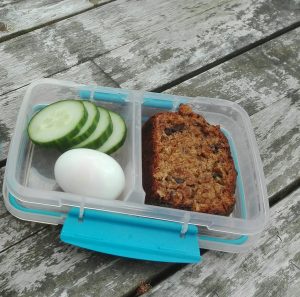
x=187 y=163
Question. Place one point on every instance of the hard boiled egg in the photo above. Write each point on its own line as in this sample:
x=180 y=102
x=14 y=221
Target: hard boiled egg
x=90 y=173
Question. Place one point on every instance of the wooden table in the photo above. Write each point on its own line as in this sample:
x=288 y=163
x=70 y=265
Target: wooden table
x=241 y=50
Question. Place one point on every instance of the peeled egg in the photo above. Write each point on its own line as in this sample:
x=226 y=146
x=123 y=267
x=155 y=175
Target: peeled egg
x=90 y=173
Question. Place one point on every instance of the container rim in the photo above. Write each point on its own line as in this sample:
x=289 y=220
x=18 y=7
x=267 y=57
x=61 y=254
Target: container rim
x=212 y=222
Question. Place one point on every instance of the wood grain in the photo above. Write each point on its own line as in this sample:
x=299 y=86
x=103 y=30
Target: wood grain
x=10 y=103
x=198 y=40
x=271 y=269
x=255 y=79
x=9 y=2
x=21 y=16
x=49 y=270
x=277 y=129
x=43 y=266
x=78 y=38
x=265 y=81
x=147 y=42
x=130 y=32
x=12 y=230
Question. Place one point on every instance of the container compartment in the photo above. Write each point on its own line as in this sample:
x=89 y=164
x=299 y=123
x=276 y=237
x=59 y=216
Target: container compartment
x=30 y=178
x=37 y=171
x=155 y=104
x=233 y=122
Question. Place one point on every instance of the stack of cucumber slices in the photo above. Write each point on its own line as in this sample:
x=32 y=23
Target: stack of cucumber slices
x=69 y=124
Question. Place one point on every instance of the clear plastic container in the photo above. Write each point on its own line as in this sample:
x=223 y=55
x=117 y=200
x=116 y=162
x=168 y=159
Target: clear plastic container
x=29 y=177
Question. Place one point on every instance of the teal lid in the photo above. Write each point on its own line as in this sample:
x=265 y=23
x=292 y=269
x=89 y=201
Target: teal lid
x=132 y=237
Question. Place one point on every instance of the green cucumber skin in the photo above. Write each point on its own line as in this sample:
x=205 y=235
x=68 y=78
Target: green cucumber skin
x=88 y=132
x=61 y=142
x=99 y=141
x=117 y=146
x=94 y=144
x=79 y=139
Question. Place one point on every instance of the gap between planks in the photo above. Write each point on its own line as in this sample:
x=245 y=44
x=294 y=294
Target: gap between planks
x=225 y=58
x=26 y=237
x=274 y=198
x=180 y=79
x=177 y=267
x=281 y=194
x=278 y=196
x=2 y=163
x=90 y=59
x=36 y=27
x=157 y=279
x=237 y=272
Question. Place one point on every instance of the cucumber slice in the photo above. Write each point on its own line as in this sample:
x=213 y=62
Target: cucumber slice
x=118 y=136
x=57 y=123
x=90 y=125
x=100 y=134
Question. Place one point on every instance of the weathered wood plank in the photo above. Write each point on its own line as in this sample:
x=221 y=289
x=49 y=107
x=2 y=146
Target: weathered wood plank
x=157 y=40
x=10 y=103
x=271 y=269
x=265 y=75
x=255 y=79
x=86 y=73
x=89 y=34
x=8 y=2
x=43 y=266
x=13 y=230
x=242 y=79
x=49 y=270
x=287 y=154
x=62 y=270
x=185 y=46
x=277 y=129
x=20 y=16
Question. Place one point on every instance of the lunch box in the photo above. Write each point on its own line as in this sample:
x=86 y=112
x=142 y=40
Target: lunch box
x=127 y=226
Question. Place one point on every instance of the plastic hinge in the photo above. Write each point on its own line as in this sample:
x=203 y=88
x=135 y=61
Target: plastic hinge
x=103 y=96
x=131 y=237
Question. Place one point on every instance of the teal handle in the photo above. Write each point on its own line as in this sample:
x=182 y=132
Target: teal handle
x=131 y=237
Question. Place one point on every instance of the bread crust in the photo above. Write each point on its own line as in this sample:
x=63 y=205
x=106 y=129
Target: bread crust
x=187 y=163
